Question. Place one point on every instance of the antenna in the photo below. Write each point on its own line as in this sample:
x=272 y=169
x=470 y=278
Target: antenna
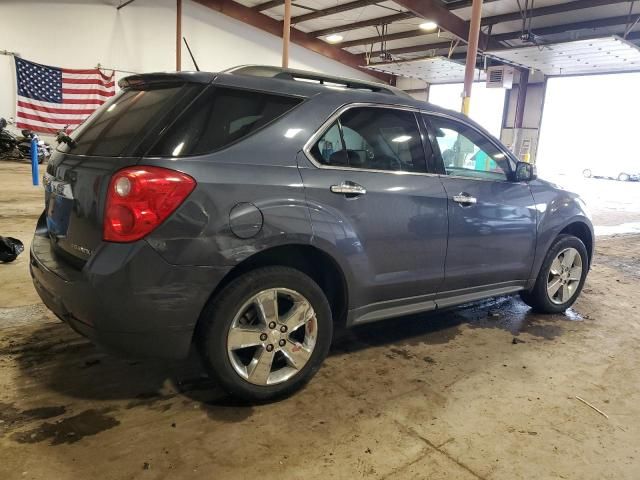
x=191 y=54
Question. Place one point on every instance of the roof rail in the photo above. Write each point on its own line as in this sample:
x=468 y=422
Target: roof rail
x=313 y=77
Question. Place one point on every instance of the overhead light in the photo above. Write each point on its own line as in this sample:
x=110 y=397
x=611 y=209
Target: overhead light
x=334 y=38
x=401 y=139
x=428 y=25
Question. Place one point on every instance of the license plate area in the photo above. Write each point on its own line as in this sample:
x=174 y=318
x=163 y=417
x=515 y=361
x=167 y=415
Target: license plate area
x=59 y=205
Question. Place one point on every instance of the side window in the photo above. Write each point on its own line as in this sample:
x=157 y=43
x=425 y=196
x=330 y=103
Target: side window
x=467 y=153
x=219 y=117
x=373 y=138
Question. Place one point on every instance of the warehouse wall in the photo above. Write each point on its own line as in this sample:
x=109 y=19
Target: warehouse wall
x=139 y=38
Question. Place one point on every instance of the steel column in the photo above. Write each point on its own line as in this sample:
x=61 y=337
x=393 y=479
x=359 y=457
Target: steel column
x=286 y=33
x=178 y=35
x=472 y=54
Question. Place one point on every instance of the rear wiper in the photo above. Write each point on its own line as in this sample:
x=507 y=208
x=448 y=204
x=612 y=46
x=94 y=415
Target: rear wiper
x=62 y=137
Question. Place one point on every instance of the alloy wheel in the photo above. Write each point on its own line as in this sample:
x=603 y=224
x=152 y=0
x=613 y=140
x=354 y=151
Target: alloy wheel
x=272 y=337
x=564 y=276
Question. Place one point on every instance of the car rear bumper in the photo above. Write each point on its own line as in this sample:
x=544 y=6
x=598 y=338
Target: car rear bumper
x=126 y=298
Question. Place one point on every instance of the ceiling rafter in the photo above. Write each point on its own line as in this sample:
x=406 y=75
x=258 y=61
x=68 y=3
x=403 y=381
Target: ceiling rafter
x=274 y=27
x=372 y=22
x=508 y=17
x=344 y=7
x=551 y=30
x=261 y=7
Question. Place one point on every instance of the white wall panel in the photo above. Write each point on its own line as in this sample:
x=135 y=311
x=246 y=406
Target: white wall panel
x=139 y=38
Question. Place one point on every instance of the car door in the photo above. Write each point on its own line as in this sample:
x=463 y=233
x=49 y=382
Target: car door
x=373 y=204
x=492 y=218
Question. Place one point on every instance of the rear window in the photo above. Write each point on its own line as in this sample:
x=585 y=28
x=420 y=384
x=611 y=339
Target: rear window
x=219 y=117
x=123 y=125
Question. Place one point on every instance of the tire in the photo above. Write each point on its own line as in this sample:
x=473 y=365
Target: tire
x=586 y=173
x=235 y=309
x=623 y=177
x=538 y=298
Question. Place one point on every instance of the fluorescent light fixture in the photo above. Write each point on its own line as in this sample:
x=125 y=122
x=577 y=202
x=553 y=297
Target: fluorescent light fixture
x=292 y=132
x=401 y=139
x=428 y=25
x=334 y=38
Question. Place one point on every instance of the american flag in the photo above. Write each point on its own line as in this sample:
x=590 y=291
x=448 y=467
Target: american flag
x=49 y=98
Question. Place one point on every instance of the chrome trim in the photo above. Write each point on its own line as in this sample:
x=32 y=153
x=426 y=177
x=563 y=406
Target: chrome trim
x=464 y=199
x=334 y=116
x=339 y=111
x=348 y=188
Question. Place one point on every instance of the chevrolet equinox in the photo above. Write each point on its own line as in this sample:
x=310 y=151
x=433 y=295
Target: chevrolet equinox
x=249 y=212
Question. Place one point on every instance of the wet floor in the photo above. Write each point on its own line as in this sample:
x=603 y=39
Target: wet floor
x=486 y=391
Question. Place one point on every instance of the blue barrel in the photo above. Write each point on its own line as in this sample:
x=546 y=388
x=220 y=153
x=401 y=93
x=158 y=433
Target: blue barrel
x=34 y=160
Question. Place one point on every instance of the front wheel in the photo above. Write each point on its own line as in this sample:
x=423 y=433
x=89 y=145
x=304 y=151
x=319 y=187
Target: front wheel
x=266 y=333
x=623 y=177
x=561 y=277
x=586 y=173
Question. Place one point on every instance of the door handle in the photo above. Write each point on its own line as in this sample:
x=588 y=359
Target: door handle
x=464 y=199
x=349 y=189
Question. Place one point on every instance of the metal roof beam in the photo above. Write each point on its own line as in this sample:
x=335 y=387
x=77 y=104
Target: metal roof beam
x=568 y=27
x=344 y=7
x=364 y=23
x=508 y=17
x=274 y=27
x=551 y=10
x=435 y=11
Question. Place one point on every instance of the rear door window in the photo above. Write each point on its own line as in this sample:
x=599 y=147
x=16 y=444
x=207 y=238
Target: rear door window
x=119 y=127
x=220 y=117
x=373 y=138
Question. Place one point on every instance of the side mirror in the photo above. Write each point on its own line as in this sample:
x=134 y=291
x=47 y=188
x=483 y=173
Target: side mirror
x=525 y=172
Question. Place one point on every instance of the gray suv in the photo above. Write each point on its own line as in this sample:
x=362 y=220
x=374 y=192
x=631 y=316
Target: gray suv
x=249 y=212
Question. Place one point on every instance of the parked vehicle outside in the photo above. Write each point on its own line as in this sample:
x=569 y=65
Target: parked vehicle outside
x=616 y=169
x=252 y=211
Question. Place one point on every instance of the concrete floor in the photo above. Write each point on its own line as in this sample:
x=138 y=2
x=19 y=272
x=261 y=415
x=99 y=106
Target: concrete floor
x=483 y=392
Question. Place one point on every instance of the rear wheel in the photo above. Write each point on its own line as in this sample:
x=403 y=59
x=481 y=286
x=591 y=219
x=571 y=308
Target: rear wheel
x=623 y=177
x=561 y=277
x=266 y=333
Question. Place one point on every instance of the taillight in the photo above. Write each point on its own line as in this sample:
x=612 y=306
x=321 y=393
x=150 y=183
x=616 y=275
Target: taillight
x=141 y=198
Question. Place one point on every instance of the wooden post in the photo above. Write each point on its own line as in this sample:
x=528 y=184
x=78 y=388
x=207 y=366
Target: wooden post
x=286 y=32
x=178 y=35
x=472 y=54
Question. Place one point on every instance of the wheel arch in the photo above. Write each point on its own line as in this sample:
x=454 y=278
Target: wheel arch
x=583 y=232
x=312 y=261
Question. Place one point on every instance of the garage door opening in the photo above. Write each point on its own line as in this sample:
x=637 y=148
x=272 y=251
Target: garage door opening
x=589 y=143
x=487 y=104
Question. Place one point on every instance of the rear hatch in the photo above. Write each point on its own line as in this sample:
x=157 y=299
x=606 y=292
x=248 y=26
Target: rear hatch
x=115 y=136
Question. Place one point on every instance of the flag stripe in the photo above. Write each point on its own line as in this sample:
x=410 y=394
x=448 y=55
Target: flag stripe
x=87 y=81
x=33 y=106
x=91 y=71
x=54 y=116
x=39 y=126
x=49 y=119
x=87 y=91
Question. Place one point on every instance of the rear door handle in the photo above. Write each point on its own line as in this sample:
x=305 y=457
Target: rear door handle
x=349 y=189
x=465 y=199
